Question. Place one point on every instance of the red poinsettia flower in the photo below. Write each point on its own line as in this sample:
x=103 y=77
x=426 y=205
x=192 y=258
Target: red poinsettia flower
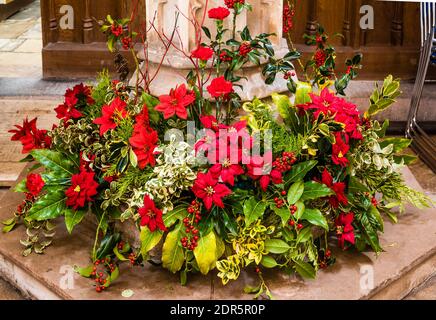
x=144 y=140
x=66 y=112
x=30 y=136
x=207 y=188
x=219 y=13
x=34 y=184
x=260 y=168
x=220 y=87
x=144 y=143
x=337 y=187
x=111 y=115
x=83 y=188
x=339 y=150
x=227 y=168
x=209 y=122
x=344 y=228
x=176 y=102
x=151 y=216
x=203 y=53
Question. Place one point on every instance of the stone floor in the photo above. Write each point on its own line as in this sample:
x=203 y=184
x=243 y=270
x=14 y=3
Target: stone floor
x=21 y=43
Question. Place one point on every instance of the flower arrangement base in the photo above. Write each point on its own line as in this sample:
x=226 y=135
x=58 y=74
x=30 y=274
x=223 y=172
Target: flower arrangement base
x=409 y=260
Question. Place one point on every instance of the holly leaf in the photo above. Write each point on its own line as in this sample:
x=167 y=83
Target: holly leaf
x=49 y=206
x=305 y=269
x=206 y=253
x=253 y=210
x=282 y=212
x=149 y=240
x=315 y=217
x=295 y=192
x=55 y=161
x=268 y=262
x=299 y=171
x=315 y=190
x=172 y=251
x=73 y=218
x=276 y=246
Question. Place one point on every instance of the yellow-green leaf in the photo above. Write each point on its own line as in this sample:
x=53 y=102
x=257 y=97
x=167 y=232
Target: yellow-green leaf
x=172 y=251
x=206 y=252
x=149 y=240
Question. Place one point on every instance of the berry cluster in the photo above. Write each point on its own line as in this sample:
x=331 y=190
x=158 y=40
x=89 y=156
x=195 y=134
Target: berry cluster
x=319 y=58
x=224 y=57
x=289 y=74
x=324 y=259
x=285 y=162
x=126 y=42
x=288 y=16
x=195 y=211
x=231 y=3
x=99 y=277
x=374 y=202
x=245 y=49
x=279 y=202
x=132 y=258
x=293 y=209
x=292 y=224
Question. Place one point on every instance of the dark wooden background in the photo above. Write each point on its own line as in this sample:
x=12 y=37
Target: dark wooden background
x=392 y=47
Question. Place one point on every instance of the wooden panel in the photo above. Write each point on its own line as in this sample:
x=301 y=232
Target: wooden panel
x=81 y=52
x=8 y=8
x=391 y=47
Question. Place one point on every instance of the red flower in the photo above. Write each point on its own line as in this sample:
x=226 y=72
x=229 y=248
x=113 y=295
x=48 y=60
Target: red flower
x=339 y=150
x=83 y=188
x=30 y=137
x=209 y=122
x=176 y=102
x=219 y=13
x=34 y=184
x=117 y=30
x=111 y=114
x=207 y=188
x=220 y=87
x=261 y=169
x=151 y=216
x=143 y=142
x=337 y=187
x=202 y=53
x=65 y=112
x=344 y=228
x=225 y=169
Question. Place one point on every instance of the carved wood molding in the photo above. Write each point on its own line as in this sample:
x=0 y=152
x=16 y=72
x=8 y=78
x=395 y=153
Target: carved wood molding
x=397 y=25
x=312 y=19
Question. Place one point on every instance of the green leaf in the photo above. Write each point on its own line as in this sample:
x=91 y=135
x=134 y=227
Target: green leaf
x=399 y=143
x=172 y=251
x=205 y=253
x=371 y=234
x=55 y=161
x=373 y=212
x=295 y=192
x=119 y=255
x=253 y=210
x=149 y=240
x=283 y=104
x=315 y=217
x=276 y=246
x=84 y=272
x=178 y=213
x=73 y=218
x=21 y=186
x=407 y=159
x=304 y=235
x=315 y=190
x=299 y=170
x=49 y=206
x=302 y=93
x=282 y=212
x=268 y=262
x=305 y=269
x=355 y=186
x=300 y=210
x=107 y=245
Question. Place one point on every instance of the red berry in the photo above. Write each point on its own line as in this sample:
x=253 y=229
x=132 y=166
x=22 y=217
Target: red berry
x=300 y=226
x=283 y=193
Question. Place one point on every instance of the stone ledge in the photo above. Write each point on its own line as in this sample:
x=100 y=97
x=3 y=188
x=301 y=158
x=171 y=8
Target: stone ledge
x=409 y=260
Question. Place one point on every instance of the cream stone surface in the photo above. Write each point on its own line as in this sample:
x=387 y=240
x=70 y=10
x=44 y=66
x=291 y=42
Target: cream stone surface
x=161 y=16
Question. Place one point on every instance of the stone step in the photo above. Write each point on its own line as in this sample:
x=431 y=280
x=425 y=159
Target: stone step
x=409 y=260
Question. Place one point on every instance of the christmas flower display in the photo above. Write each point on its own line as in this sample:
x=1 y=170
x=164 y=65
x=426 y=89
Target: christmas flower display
x=213 y=183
